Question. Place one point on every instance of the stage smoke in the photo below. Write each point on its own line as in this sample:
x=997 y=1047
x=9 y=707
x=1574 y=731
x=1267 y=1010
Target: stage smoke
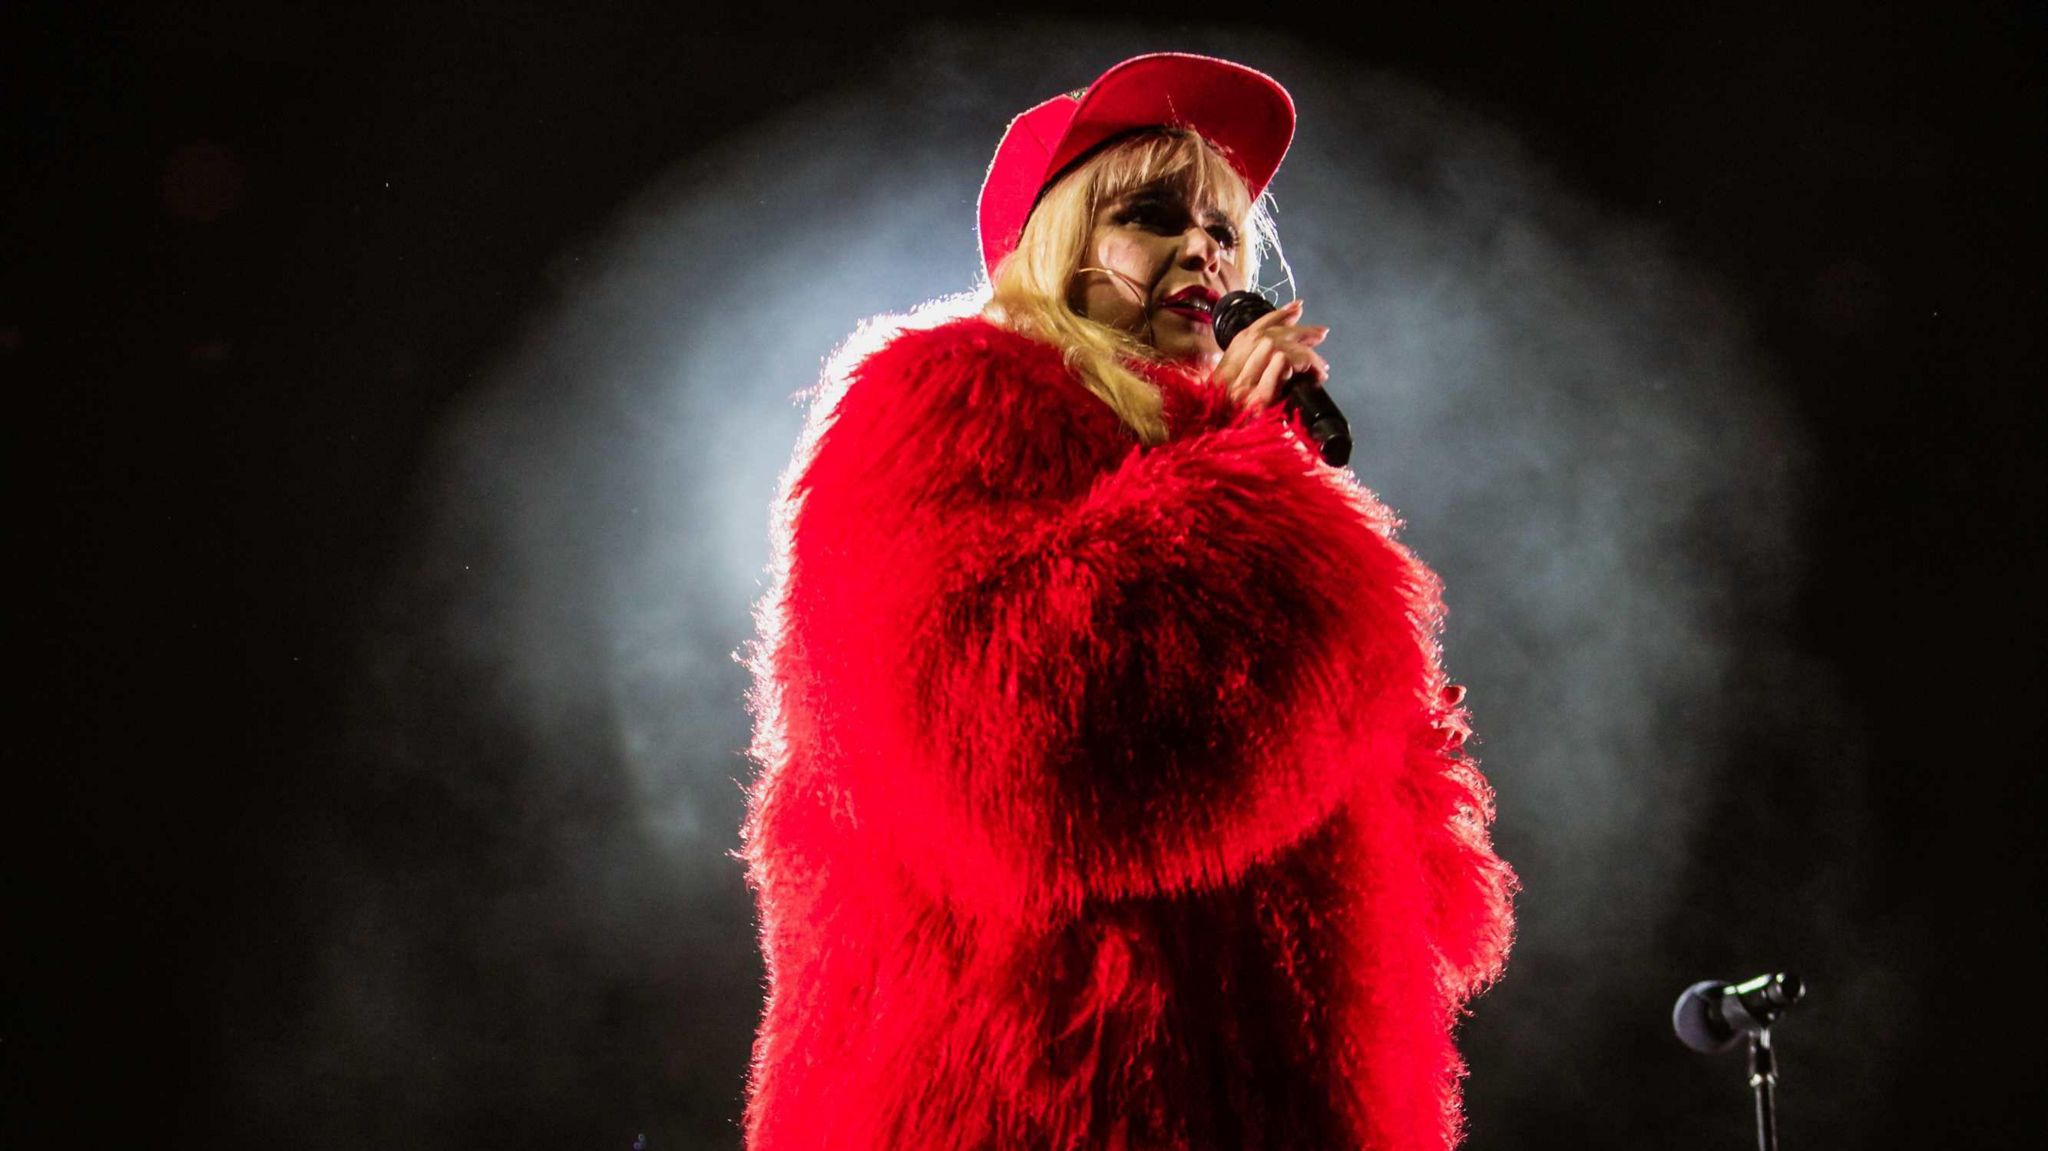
x=1575 y=425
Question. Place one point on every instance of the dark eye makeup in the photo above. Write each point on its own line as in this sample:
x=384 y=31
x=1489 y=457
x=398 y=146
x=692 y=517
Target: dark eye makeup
x=1161 y=211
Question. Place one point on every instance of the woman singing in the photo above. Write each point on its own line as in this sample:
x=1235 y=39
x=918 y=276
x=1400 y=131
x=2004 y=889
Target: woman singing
x=1111 y=794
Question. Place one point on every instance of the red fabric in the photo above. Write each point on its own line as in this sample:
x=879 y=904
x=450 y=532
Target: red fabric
x=1109 y=796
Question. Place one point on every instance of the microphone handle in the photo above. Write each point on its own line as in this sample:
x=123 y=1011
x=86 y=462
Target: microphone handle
x=1318 y=413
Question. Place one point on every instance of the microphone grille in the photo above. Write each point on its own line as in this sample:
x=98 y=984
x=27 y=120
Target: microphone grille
x=1696 y=1017
x=1234 y=312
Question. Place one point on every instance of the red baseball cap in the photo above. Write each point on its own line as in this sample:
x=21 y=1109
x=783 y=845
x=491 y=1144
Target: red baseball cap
x=1243 y=112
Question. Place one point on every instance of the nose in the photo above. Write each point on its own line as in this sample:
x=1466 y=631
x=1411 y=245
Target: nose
x=1200 y=251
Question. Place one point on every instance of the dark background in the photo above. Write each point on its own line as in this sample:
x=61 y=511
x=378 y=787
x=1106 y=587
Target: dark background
x=254 y=252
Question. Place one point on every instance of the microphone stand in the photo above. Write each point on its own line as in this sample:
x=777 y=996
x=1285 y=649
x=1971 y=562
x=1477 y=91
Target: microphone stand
x=1710 y=1016
x=1763 y=1078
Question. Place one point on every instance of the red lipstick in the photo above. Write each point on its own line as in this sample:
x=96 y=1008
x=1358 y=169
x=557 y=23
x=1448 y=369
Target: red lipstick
x=1194 y=302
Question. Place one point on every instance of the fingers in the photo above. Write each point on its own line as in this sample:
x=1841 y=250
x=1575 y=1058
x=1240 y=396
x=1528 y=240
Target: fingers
x=1321 y=368
x=1271 y=350
x=1277 y=371
x=1280 y=326
x=1282 y=316
x=1269 y=366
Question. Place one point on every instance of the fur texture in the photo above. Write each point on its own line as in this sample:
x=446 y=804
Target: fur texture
x=1108 y=796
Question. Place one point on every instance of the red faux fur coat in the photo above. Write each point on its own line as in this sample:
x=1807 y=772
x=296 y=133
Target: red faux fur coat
x=1110 y=796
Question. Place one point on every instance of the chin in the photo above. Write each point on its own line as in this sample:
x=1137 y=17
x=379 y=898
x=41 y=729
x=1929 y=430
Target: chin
x=1185 y=342
x=1190 y=352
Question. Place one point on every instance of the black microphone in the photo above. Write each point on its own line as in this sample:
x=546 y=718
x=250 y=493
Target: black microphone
x=1712 y=1016
x=1305 y=398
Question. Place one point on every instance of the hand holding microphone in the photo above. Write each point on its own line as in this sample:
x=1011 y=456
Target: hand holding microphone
x=1266 y=354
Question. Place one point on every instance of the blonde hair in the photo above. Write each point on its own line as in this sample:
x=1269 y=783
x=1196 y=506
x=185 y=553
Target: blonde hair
x=1031 y=290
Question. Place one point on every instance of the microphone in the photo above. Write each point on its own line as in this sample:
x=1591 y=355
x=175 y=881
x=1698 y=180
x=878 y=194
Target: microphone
x=1304 y=397
x=1711 y=1017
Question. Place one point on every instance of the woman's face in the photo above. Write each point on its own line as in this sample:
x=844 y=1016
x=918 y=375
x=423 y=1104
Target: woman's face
x=1154 y=265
